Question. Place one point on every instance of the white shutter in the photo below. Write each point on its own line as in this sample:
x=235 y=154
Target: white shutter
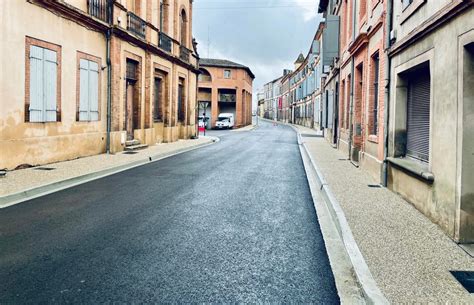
x=93 y=91
x=316 y=109
x=50 y=78
x=330 y=108
x=36 y=84
x=324 y=109
x=84 y=90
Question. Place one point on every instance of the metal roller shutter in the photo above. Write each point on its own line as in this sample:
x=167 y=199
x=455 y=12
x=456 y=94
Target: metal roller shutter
x=418 y=116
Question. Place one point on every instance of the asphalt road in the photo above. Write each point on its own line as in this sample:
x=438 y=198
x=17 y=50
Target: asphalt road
x=232 y=222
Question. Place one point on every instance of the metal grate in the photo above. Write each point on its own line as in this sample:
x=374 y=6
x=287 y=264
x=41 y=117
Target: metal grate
x=305 y=135
x=130 y=152
x=164 y=42
x=184 y=53
x=375 y=186
x=44 y=168
x=132 y=69
x=136 y=25
x=98 y=9
x=466 y=278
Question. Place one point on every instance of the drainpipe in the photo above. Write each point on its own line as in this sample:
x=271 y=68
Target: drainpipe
x=351 y=107
x=386 y=113
x=108 y=35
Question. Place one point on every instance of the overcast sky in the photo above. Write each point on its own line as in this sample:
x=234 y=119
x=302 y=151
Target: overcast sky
x=266 y=35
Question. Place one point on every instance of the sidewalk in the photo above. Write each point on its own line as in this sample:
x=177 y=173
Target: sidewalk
x=408 y=256
x=32 y=178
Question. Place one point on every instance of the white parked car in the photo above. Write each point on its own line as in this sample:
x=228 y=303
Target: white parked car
x=225 y=120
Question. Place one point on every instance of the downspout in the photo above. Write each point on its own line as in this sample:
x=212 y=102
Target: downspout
x=108 y=35
x=386 y=114
x=351 y=107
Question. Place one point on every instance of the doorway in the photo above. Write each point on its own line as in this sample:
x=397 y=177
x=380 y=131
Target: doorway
x=132 y=101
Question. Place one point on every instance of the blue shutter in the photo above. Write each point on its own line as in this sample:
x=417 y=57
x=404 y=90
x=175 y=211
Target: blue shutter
x=50 y=78
x=93 y=91
x=36 y=85
x=84 y=90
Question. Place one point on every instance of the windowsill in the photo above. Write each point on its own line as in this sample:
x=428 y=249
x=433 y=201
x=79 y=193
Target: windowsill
x=417 y=169
x=373 y=138
x=410 y=10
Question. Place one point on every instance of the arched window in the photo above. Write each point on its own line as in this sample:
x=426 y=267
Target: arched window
x=204 y=76
x=183 y=20
x=164 y=15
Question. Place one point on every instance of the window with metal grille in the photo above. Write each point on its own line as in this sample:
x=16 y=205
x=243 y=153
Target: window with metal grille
x=132 y=67
x=158 y=100
x=418 y=114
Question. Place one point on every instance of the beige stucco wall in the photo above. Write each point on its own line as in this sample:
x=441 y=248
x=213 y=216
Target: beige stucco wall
x=39 y=143
x=438 y=201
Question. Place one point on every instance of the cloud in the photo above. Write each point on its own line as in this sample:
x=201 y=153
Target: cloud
x=310 y=11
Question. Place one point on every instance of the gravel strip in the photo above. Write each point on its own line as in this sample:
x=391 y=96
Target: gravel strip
x=19 y=180
x=408 y=255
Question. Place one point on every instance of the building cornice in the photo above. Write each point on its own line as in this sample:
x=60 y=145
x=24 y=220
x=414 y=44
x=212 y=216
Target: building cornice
x=442 y=16
x=72 y=13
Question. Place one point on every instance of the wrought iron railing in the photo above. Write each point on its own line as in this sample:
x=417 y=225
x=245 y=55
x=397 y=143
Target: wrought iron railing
x=165 y=42
x=98 y=9
x=136 y=25
x=184 y=53
x=227 y=98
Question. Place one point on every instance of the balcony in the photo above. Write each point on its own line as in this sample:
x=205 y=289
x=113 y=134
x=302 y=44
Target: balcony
x=165 y=42
x=184 y=53
x=136 y=25
x=98 y=9
x=226 y=98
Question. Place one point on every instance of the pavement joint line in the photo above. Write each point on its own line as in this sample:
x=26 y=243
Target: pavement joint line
x=372 y=292
x=43 y=190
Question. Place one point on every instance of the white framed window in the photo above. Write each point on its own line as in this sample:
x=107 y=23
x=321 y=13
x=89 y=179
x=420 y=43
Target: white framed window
x=227 y=73
x=88 y=90
x=43 y=85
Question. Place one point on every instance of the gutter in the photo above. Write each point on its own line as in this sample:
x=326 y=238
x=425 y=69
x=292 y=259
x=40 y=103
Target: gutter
x=108 y=36
x=351 y=111
x=386 y=114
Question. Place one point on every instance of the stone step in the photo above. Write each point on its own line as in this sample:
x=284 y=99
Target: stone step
x=132 y=143
x=136 y=147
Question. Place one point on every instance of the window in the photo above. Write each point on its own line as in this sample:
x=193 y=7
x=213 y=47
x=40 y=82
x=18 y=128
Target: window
x=375 y=110
x=181 y=101
x=42 y=103
x=184 y=28
x=162 y=11
x=88 y=90
x=158 y=100
x=226 y=73
x=418 y=114
x=406 y=3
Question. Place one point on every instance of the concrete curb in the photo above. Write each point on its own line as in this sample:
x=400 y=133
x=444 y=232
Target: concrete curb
x=39 y=191
x=372 y=293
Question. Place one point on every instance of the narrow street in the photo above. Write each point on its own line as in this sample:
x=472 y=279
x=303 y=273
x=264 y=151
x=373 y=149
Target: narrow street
x=232 y=222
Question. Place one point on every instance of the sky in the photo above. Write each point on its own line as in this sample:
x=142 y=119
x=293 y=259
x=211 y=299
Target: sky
x=265 y=35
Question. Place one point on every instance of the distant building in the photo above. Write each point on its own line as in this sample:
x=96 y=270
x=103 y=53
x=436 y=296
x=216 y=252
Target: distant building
x=227 y=88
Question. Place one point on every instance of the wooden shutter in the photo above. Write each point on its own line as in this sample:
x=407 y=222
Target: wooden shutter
x=84 y=90
x=418 y=116
x=36 y=108
x=93 y=91
x=50 y=85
